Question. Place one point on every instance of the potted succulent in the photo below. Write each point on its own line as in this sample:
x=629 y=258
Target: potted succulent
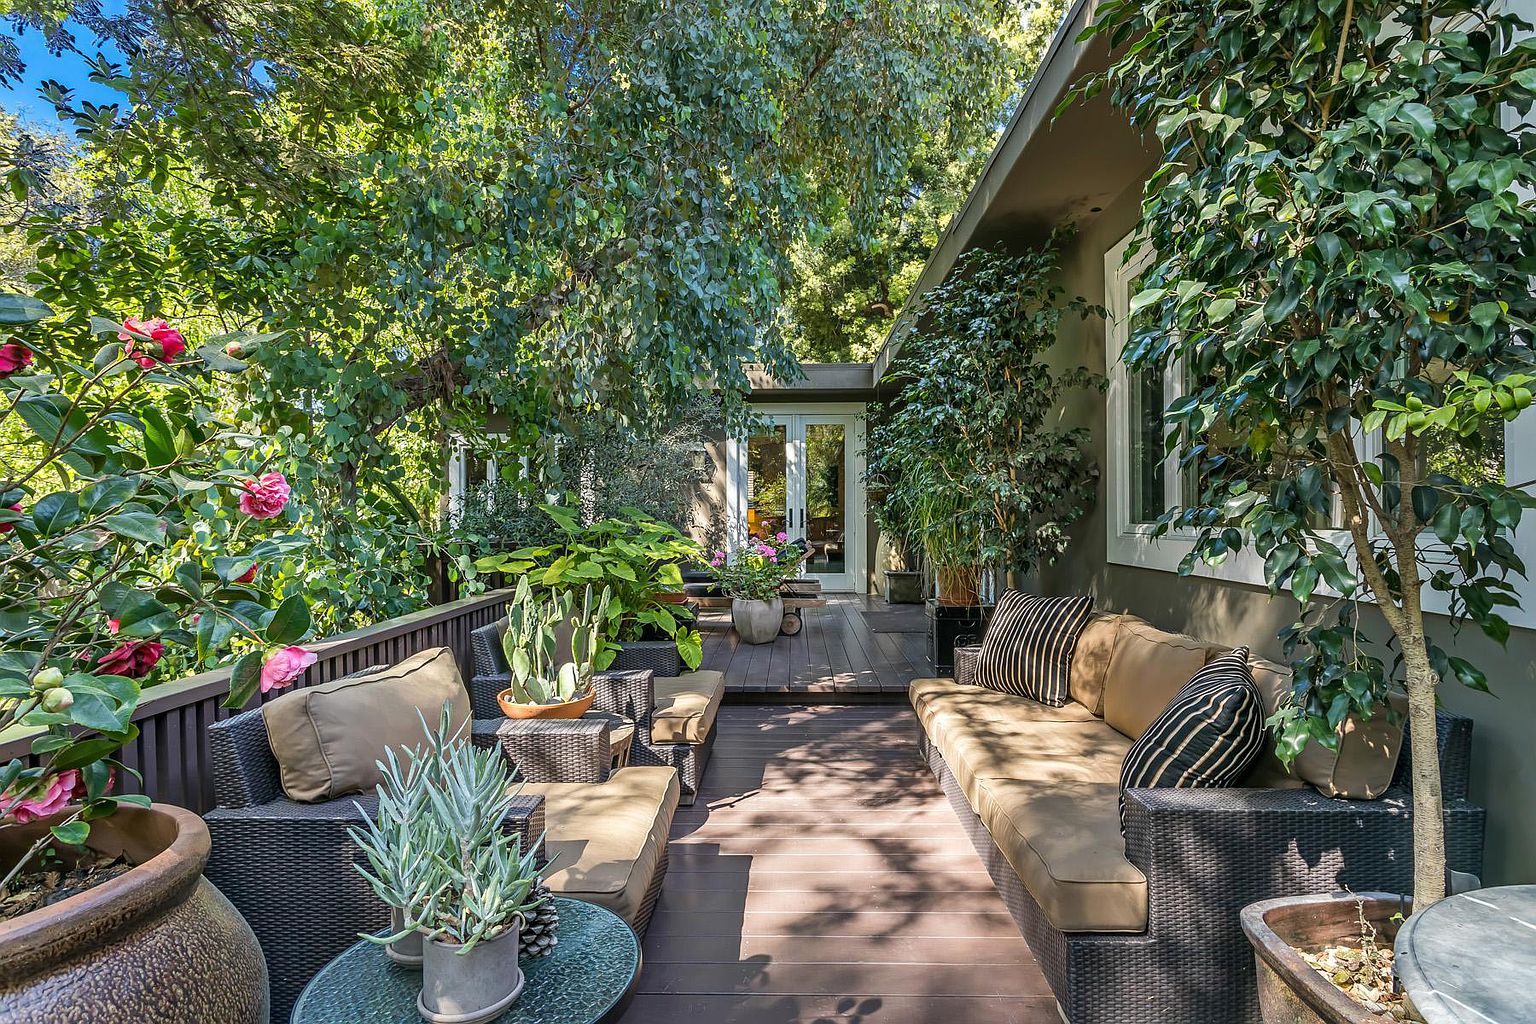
x=543 y=686
x=638 y=560
x=454 y=880
x=113 y=462
x=751 y=577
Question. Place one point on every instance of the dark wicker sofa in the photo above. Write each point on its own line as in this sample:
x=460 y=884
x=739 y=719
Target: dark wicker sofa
x=1204 y=854
x=629 y=692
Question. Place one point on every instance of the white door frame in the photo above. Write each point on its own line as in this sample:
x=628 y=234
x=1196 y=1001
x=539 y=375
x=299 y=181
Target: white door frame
x=794 y=418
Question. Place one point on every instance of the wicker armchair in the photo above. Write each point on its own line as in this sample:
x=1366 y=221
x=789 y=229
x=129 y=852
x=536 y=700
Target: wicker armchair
x=628 y=693
x=1207 y=853
x=288 y=867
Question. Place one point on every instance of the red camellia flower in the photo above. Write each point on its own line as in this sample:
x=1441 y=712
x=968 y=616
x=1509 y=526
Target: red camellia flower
x=284 y=666
x=248 y=575
x=166 y=342
x=14 y=356
x=266 y=497
x=133 y=659
x=62 y=790
x=8 y=527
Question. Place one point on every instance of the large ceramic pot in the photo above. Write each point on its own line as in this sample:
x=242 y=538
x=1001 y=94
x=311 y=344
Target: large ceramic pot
x=473 y=987
x=1290 y=990
x=757 y=622
x=157 y=943
x=566 y=709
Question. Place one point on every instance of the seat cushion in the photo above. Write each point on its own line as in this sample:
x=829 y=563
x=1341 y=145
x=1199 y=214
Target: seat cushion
x=929 y=696
x=1027 y=649
x=1147 y=668
x=605 y=841
x=1063 y=839
x=686 y=706
x=1017 y=747
x=1208 y=736
x=327 y=739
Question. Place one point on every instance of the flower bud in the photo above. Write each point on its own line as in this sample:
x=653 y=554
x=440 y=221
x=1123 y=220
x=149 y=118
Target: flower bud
x=234 y=349
x=47 y=679
x=58 y=699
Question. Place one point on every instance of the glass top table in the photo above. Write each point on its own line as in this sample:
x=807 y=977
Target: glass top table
x=587 y=979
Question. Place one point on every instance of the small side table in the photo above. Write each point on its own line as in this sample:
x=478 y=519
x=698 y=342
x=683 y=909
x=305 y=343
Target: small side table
x=621 y=735
x=1471 y=958
x=588 y=979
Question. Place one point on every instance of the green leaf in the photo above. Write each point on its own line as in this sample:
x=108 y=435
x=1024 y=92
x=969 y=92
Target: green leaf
x=245 y=679
x=72 y=833
x=690 y=647
x=290 y=623
x=108 y=492
x=22 y=309
x=137 y=526
x=55 y=513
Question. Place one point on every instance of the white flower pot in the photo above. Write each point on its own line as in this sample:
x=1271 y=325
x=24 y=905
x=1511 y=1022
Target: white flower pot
x=471 y=988
x=757 y=622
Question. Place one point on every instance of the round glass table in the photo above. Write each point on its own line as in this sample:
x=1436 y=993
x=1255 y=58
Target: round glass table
x=587 y=979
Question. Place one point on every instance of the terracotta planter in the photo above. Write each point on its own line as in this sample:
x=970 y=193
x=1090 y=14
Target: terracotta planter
x=1290 y=990
x=158 y=943
x=670 y=597
x=757 y=622
x=958 y=586
x=570 y=709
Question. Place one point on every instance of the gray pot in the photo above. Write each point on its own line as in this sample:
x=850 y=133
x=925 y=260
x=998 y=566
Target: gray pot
x=471 y=988
x=407 y=950
x=903 y=587
x=757 y=622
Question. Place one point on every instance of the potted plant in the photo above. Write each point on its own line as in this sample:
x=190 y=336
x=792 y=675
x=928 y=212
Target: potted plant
x=456 y=882
x=639 y=560
x=1354 y=334
x=751 y=577
x=903 y=577
x=113 y=458
x=543 y=686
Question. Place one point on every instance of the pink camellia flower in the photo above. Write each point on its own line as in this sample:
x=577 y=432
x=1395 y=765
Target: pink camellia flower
x=113 y=625
x=265 y=497
x=283 y=667
x=781 y=537
x=14 y=356
x=8 y=527
x=133 y=659
x=62 y=789
x=166 y=341
x=248 y=575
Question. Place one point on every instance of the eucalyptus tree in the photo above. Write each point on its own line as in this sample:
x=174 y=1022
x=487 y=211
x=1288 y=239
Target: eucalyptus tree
x=1344 y=247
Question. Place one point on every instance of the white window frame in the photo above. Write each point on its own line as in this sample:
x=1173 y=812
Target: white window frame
x=458 y=473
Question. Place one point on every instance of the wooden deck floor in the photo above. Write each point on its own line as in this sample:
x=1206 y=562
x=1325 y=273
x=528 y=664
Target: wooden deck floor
x=855 y=646
x=822 y=877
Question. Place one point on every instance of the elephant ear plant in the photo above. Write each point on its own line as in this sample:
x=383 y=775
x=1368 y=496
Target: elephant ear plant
x=532 y=638
x=1343 y=245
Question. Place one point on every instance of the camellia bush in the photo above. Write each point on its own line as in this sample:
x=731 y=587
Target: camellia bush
x=1344 y=248
x=963 y=454
x=107 y=467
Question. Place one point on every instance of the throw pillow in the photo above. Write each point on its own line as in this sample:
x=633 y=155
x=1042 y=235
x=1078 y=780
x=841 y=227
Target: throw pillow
x=1027 y=649
x=1208 y=736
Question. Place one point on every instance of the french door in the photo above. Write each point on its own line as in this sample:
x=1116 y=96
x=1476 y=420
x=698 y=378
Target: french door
x=801 y=474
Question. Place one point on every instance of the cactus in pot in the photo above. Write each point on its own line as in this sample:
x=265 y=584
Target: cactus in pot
x=539 y=682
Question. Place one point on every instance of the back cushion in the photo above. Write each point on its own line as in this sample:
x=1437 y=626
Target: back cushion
x=1090 y=659
x=327 y=738
x=1273 y=681
x=1147 y=668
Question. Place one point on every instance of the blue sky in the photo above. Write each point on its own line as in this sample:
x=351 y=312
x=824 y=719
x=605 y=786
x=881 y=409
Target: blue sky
x=69 y=69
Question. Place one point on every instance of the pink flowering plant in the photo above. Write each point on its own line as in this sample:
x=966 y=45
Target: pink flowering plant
x=757 y=570
x=133 y=522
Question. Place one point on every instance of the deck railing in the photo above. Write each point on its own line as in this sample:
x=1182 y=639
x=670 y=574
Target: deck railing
x=171 y=751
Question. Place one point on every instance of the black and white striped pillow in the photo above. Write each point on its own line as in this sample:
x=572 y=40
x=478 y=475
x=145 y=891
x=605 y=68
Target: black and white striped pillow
x=1027 y=649
x=1208 y=736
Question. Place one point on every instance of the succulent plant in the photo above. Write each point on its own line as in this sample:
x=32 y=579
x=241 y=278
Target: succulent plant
x=531 y=643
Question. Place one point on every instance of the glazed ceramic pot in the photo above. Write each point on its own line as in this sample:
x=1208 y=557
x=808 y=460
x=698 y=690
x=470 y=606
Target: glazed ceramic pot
x=1290 y=990
x=569 y=709
x=157 y=943
x=472 y=987
x=757 y=622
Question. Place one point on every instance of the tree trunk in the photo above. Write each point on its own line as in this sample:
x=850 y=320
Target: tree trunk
x=1423 y=745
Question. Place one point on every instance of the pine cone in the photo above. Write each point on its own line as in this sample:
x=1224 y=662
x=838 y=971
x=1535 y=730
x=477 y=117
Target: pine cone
x=540 y=927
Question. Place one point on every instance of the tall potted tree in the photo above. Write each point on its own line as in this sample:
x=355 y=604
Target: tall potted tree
x=1342 y=268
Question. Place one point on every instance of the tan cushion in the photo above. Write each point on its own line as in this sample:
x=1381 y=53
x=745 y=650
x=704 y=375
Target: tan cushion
x=1363 y=766
x=327 y=739
x=605 y=841
x=686 y=706
x=1090 y=659
x=1274 y=684
x=976 y=749
x=1063 y=839
x=928 y=696
x=1147 y=668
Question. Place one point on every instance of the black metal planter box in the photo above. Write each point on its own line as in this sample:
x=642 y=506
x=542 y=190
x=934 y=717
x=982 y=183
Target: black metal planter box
x=951 y=626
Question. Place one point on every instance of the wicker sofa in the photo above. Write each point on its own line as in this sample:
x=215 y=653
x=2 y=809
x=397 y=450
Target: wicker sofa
x=289 y=866
x=1142 y=928
x=674 y=716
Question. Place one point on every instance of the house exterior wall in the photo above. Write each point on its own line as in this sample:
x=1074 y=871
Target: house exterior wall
x=1504 y=750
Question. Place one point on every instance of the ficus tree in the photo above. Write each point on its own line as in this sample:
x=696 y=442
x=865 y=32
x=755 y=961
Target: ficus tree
x=1344 y=251
x=965 y=453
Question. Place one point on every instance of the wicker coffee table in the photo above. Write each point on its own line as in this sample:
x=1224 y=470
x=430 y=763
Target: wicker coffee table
x=588 y=979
